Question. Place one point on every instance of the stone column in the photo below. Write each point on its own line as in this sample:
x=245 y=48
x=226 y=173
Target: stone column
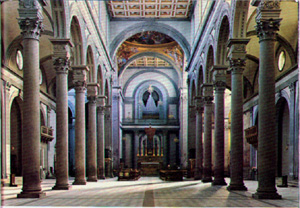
x=268 y=22
x=199 y=144
x=61 y=64
x=30 y=22
x=92 y=91
x=101 y=138
x=135 y=149
x=237 y=58
x=207 y=92
x=219 y=76
x=79 y=80
x=165 y=149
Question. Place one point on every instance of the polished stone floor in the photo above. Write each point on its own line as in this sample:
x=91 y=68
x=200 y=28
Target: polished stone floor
x=148 y=192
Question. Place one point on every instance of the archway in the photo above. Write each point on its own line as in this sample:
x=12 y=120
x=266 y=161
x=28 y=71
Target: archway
x=16 y=139
x=71 y=143
x=283 y=137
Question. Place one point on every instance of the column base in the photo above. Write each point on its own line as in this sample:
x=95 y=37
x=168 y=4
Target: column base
x=219 y=182
x=207 y=180
x=266 y=195
x=31 y=195
x=61 y=187
x=237 y=187
x=77 y=182
x=92 y=179
x=197 y=174
x=101 y=177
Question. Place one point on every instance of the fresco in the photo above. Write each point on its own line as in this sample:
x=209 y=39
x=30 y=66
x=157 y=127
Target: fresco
x=150 y=38
x=150 y=41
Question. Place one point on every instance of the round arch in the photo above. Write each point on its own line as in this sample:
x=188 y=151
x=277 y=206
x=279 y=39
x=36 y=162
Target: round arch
x=222 y=41
x=150 y=26
x=76 y=38
x=209 y=64
x=152 y=54
x=91 y=64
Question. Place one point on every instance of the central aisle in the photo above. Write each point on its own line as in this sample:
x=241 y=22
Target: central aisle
x=148 y=192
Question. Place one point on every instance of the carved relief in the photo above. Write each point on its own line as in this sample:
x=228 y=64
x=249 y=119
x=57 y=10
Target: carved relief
x=31 y=27
x=237 y=62
x=220 y=85
x=266 y=29
x=264 y=4
x=61 y=65
x=29 y=4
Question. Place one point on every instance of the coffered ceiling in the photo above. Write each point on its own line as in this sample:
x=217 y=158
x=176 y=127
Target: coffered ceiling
x=160 y=9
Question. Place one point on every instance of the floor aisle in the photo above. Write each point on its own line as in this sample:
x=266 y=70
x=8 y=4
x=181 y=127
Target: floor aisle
x=148 y=192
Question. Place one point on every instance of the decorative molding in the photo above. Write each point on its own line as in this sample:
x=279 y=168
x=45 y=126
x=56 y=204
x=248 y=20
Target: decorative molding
x=92 y=99
x=266 y=29
x=219 y=85
x=61 y=65
x=269 y=5
x=31 y=27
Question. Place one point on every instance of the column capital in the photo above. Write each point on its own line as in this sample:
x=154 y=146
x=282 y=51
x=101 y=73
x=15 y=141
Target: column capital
x=31 y=18
x=101 y=109
x=267 y=18
x=79 y=76
x=61 y=65
x=207 y=93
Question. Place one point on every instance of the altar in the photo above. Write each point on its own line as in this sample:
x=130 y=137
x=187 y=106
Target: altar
x=150 y=165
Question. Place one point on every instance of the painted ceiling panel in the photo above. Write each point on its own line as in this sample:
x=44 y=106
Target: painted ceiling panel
x=150 y=8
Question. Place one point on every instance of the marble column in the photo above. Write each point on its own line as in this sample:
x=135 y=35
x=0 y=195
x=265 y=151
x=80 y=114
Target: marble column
x=79 y=81
x=92 y=92
x=199 y=143
x=237 y=59
x=207 y=93
x=61 y=64
x=219 y=79
x=135 y=149
x=101 y=137
x=268 y=22
x=30 y=23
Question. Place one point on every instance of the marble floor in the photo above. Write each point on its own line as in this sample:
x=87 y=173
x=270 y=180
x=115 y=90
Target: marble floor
x=148 y=192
